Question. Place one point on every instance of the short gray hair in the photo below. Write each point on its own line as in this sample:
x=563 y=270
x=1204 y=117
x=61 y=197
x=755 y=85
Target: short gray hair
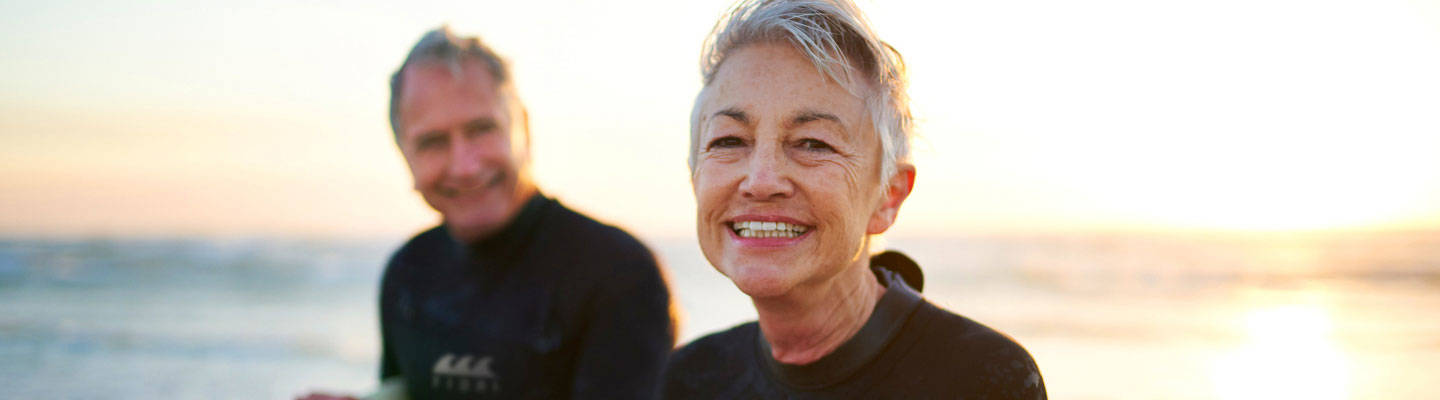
x=835 y=36
x=440 y=45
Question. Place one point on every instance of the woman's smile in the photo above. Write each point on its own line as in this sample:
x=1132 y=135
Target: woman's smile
x=768 y=231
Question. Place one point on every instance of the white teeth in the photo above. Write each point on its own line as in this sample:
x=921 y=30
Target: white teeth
x=749 y=233
x=758 y=229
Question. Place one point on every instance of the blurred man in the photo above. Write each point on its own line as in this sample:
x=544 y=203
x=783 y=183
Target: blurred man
x=513 y=295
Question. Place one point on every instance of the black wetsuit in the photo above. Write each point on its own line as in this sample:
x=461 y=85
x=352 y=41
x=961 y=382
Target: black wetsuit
x=908 y=349
x=555 y=305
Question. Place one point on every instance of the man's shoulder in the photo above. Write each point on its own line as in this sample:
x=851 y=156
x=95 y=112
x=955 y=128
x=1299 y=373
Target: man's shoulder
x=587 y=238
x=424 y=246
x=583 y=225
x=435 y=236
x=984 y=359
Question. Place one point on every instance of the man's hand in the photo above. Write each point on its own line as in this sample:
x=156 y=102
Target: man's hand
x=324 y=396
x=392 y=388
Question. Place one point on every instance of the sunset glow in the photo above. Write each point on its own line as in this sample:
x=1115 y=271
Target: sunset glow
x=1289 y=352
x=1184 y=199
x=1035 y=115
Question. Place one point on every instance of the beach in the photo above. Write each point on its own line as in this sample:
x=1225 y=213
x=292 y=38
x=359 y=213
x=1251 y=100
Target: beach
x=1106 y=316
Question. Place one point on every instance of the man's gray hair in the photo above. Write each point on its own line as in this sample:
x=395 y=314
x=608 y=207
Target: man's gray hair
x=835 y=36
x=440 y=45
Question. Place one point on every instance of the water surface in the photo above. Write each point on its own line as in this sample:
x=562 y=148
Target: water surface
x=1336 y=316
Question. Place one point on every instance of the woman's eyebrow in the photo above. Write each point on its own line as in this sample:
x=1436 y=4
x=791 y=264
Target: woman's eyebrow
x=806 y=116
x=734 y=113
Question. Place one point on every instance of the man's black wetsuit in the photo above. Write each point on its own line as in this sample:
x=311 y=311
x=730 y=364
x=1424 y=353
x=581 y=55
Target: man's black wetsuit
x=908 y=349
x=555 y=305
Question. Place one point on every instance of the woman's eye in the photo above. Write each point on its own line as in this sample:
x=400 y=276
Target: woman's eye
x=815 y=145
x=725 y=143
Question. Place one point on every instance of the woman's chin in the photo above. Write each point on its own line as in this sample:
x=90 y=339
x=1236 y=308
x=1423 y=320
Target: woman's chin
x=761 y=285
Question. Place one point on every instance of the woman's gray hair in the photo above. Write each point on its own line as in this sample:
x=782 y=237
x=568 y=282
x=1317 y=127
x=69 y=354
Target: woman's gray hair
x=835 y=36
x=440 y=45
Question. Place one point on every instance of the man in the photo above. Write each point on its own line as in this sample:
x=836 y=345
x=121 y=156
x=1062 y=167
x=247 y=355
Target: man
x=513 y=295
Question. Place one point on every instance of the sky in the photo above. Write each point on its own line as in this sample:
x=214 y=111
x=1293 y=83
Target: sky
x=269 y=117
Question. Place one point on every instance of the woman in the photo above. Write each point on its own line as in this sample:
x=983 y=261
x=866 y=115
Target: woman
x=799 y=149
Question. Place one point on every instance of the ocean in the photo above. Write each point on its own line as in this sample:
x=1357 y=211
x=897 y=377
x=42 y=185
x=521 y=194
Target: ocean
x=1106 y=316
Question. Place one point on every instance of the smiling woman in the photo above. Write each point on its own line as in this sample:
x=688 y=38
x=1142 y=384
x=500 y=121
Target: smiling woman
x=799 y=156
x=766 y=158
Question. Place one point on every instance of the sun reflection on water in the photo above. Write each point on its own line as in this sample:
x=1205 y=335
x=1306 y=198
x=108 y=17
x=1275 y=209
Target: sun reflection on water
x=1289 y=353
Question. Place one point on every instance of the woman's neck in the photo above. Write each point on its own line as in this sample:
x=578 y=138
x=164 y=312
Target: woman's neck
x=809 y=322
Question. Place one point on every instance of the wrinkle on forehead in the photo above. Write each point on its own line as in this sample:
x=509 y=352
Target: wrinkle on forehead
x=783 y=82
x=774 y=84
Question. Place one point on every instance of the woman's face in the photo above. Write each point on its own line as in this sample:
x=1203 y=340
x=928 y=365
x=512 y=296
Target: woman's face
x=786 y=176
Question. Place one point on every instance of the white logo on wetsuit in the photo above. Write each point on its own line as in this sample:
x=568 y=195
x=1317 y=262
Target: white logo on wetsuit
x=465 y=374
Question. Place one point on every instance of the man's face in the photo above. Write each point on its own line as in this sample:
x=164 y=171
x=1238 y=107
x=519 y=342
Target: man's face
x=466 y=155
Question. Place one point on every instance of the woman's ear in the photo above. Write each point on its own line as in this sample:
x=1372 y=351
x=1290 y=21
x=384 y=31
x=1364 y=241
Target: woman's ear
x=897 y=189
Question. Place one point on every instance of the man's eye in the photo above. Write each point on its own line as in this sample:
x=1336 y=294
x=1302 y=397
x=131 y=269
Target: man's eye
x=430 y=142
x=479 y=127
x=725 y=143
x=815 y=145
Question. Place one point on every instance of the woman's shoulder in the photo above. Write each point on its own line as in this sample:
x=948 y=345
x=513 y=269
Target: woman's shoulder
x=711 y=362
x=984 y=359
x=723 y=347
x=962 y=329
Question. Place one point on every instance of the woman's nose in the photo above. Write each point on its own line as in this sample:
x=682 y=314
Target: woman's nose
x=766 y=177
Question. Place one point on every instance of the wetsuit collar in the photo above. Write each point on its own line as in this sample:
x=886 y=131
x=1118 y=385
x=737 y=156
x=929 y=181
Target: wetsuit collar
x=891 y=312
x=503 y=246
